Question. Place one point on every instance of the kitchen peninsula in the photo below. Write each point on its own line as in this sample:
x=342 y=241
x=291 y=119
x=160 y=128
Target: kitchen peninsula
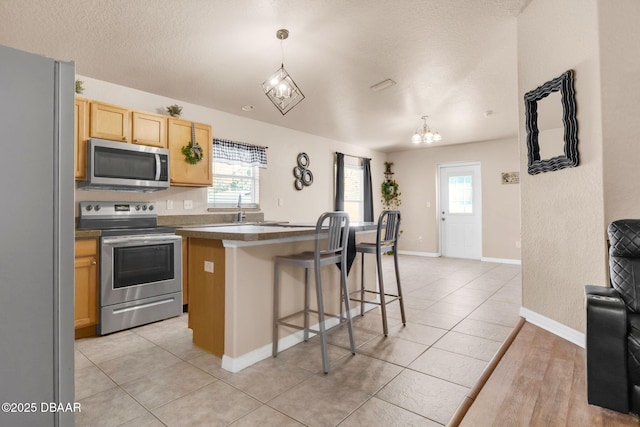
x=231 y=286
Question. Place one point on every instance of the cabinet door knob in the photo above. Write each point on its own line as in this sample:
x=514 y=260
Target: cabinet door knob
x=93 y=262
x=124 y=138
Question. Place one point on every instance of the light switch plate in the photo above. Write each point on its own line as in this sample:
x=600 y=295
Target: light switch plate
x=208 y=266
x=169 y=204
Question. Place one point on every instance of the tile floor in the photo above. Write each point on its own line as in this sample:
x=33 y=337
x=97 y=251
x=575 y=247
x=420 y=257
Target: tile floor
x=458 y=314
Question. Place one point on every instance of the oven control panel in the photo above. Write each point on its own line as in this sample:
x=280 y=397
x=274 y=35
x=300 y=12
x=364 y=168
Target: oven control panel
x=117 y=209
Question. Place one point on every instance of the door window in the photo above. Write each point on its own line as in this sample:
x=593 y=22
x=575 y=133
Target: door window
x=461 y=194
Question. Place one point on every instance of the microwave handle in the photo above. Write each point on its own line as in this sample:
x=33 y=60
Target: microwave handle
x=158 y=167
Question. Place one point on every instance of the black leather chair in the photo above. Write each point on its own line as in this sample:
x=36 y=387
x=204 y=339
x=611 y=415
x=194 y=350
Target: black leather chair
x=613 y=325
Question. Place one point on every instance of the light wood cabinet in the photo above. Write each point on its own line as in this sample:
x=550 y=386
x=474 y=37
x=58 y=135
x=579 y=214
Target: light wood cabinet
x=109 y=122
x=181 y=172
x=149 y=129
x=86 y=283
x=80 y=135
x=94 y=119
x=185 y=270
x=207 y=295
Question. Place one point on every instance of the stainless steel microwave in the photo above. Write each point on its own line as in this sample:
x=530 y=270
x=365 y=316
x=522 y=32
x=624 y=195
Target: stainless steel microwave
x=118 y=166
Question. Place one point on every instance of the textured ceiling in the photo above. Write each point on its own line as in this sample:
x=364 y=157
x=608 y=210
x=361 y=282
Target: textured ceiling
x=452 y=59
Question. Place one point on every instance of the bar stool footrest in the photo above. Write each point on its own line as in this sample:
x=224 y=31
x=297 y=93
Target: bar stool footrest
x=342 y=321
x=393 y=298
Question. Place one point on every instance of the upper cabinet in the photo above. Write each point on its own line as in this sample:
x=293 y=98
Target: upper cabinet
x=109 y=122
x=80 y=134
x=183 y=173
x=149 y=129
x=94 y=119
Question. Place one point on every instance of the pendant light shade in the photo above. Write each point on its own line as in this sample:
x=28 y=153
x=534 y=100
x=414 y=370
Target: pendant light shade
x=280 y=88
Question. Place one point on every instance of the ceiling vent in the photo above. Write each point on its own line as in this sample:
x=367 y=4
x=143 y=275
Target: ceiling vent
x=382 y=85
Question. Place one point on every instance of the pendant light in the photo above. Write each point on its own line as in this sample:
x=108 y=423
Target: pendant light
x=280 y=88
x=425 y=135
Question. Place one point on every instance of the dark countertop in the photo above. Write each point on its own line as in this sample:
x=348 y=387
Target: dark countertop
x=255 y=232
x=247 y=232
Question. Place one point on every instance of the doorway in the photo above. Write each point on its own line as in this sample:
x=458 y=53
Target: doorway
x=460 y=210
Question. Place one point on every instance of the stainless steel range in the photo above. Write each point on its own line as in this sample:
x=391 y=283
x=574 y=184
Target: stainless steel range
x=140 y=264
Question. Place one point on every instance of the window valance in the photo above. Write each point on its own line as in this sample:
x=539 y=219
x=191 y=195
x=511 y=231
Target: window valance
x=239 y=153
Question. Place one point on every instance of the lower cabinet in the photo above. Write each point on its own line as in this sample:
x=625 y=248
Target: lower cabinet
x=185 y=271
x=86 y=287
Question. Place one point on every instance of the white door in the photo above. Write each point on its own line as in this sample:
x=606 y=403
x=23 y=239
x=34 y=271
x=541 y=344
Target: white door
x=460 y=210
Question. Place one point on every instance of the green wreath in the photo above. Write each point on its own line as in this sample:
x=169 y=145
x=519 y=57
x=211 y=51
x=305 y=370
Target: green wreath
x=192 y=152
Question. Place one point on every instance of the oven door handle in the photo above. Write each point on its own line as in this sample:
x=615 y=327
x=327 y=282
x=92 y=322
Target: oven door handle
x=127 y=240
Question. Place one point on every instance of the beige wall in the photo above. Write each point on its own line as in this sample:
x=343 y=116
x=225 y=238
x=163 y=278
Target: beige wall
x=416 y=172
x=563 y=243
x=620 y=90
x=275 y=182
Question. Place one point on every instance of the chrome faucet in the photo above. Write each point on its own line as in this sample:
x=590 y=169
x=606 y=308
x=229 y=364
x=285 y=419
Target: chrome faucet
x=241 y=215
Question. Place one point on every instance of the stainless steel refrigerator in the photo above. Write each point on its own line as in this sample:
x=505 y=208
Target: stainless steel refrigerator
x=36 y=239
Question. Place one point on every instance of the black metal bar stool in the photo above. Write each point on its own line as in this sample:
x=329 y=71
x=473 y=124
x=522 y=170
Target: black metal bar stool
x=386 y=240
x=335 y=252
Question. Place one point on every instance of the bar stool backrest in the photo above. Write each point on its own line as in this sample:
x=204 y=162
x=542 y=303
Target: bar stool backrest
x=337 y=232
x=390 y=221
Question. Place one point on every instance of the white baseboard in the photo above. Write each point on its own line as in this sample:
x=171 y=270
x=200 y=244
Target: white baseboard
x=236 y=364
x=414 y=253
x=485 y=259
x=554 y=327
x=501 y=260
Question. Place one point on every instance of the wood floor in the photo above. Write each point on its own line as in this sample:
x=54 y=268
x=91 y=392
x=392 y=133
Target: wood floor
x=540 y=381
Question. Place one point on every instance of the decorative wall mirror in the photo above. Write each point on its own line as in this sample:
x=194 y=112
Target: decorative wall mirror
x=303 y=176
x=554 y=129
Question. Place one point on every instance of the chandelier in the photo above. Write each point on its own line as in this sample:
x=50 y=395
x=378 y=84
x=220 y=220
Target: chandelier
x=280 y=88
x=425 y=135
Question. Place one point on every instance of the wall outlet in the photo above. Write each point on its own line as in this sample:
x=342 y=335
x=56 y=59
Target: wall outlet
x=208 y=266
x=518 y=244
x=188 y=204
x=280 y=201
x=169 y=205
x=428 y=204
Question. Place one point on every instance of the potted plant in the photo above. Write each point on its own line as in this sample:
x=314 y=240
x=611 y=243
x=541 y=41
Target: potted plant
x=79 y=87
x=390 y=189
x=391 y=194
x=174 y=110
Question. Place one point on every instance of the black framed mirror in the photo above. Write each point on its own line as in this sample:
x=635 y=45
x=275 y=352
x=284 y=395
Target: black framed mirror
x=569 y=129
